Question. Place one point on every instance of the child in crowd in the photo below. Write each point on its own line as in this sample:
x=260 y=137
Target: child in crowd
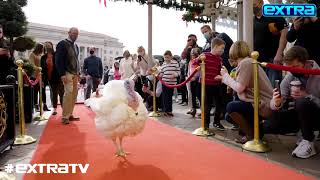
x=194 y=84
x=116 y=74
x=169 y=73
x=213 y=66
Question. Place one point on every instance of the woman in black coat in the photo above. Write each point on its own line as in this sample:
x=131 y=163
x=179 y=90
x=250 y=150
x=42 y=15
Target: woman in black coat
x=51 y=77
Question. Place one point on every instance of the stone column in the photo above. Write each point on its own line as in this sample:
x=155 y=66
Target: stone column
x=150 y=28
x=240 y=20
x=248 y=22
x=213 y=23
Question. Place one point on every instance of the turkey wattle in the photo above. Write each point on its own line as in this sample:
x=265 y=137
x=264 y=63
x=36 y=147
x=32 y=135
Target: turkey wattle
x=120 y=112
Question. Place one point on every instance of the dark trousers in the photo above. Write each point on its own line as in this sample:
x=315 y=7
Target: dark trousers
x=226 y=98
x=194 y=93
x=36 y=89
x=144 y=82
x=274 y=75
x=44 y=94
x=92 y=84
x=304 y=117
x=213 y=94
x=57 y=88
x=149 y=102
x=138 y=86
x=167 y=94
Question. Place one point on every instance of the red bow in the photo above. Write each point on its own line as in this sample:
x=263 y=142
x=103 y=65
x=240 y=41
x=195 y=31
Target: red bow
x=105 y=2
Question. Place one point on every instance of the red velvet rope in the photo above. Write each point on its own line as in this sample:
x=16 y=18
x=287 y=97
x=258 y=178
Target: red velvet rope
x=181 y=84
x=293 y=69
x=30 y=82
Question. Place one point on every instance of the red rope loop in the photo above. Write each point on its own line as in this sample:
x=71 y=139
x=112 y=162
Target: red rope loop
x=181 y=84
x=30 y=82
x=293 y=69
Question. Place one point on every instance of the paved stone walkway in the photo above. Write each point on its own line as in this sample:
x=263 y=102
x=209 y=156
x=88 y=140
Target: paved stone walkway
x=281 y=145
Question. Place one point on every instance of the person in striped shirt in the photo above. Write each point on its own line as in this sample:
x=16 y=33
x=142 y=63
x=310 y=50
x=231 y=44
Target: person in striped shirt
x=169 y=73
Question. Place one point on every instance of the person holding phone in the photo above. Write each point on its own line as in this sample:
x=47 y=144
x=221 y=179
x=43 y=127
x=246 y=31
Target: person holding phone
x=305 y=32
x=302 y=92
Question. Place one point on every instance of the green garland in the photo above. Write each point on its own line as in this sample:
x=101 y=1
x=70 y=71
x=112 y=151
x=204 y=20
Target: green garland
x=194 y=17
x=193 y=10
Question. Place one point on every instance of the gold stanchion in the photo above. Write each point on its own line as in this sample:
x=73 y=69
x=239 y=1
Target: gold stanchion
x=7 y=176
x=22 y=138
x=202 y=131
x=154 y=113
x=40 y=116
x=256 y=145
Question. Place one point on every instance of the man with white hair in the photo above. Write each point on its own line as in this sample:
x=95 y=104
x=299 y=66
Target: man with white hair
x=67 y=63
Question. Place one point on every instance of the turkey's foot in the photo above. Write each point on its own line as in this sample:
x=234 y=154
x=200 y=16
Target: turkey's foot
x=122 y=153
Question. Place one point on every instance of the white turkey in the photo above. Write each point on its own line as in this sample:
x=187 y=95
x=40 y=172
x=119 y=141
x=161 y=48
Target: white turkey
x=120 y=112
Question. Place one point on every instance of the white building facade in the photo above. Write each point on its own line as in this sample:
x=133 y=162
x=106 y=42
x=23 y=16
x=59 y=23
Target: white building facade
x=107 y=47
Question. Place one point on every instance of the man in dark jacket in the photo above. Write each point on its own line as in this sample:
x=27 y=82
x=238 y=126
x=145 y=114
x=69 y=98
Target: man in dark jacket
x=93 y=70
x=67 y=63
x=209 y=35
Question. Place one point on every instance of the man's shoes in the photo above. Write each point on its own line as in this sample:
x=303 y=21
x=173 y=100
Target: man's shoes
x=218 y=126
x=304 y=150
x=72 y=118
x=36 y=107
x=65 y=121
x=45 y=107
x=242 y=140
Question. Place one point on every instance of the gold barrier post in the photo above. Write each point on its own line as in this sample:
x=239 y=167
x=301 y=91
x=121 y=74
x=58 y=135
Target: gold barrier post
x=40 y=116
x=154 y=74
x=22 y=138
x=202 y=131
x=256 y=145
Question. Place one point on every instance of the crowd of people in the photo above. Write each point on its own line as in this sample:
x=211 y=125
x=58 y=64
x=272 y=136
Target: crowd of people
x=290 y=107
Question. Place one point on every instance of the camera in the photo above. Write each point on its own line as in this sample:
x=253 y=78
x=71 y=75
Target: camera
x=139 y=57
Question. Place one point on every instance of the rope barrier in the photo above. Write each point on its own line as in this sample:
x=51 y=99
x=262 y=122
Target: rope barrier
x=29 y=81
x=291 y=69
x=181 y=84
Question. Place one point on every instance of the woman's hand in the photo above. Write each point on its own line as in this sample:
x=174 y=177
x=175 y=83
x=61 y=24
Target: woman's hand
x=218 y=78
x=223 y=71
x=277 y=98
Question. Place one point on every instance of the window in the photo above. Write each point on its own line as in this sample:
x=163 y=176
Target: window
x=105 y=51
x=117 y=53
x=111 y=52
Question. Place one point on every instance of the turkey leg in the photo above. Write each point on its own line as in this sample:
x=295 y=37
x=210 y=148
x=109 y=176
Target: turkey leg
x=122 y=152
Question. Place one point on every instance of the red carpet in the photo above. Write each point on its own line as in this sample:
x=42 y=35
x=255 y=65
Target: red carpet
x=161 y=152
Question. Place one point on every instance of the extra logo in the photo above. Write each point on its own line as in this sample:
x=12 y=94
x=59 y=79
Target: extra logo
x=289 y=10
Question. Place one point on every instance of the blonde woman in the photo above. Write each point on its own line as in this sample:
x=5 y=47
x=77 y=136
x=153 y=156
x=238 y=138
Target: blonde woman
x=241 y=109
x=34 y=58
x=126 y=65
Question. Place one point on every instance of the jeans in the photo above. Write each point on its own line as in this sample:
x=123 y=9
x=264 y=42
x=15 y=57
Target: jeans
x=92 y=84
x=56 y=89
x=194 y=85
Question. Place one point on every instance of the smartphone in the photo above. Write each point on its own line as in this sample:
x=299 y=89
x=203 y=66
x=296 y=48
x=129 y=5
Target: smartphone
x=277 y=86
